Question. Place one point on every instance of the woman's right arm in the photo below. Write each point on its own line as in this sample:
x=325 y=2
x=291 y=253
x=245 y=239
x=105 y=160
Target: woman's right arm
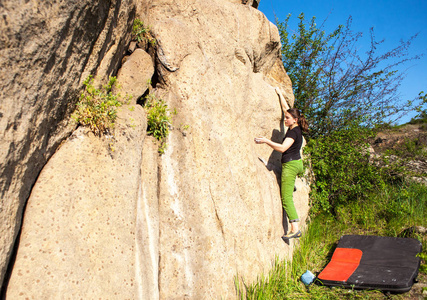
x=287 y=143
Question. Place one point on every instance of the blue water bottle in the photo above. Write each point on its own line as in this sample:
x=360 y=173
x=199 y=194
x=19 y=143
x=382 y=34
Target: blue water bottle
x=307 y=278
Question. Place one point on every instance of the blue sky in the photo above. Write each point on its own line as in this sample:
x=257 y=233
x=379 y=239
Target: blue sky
x=392 y=20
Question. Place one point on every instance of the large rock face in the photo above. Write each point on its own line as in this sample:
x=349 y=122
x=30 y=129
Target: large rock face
x=220 y=210
x=47 y=48
x=130 y=224
x=78 y=238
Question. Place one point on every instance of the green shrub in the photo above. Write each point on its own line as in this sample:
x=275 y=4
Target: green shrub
x=423 y=267
x=343 y=168
x=97 y=108
x=158 y=119
x=414 y=148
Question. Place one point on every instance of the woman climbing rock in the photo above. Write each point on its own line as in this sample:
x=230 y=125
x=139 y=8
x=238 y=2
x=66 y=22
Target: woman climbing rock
x=291 y=161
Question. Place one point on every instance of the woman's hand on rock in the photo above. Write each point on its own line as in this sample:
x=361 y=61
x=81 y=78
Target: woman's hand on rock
x=259 y=140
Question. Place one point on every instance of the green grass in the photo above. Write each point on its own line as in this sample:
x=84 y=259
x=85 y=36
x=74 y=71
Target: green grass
x=387 y=213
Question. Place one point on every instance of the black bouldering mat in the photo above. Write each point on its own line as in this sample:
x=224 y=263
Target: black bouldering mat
x=373 y=262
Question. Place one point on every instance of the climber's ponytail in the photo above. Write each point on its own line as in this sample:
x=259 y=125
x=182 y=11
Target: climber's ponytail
x=302 y=122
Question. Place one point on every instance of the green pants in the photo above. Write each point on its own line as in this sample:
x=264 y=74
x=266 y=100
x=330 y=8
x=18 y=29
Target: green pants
x=290 y=170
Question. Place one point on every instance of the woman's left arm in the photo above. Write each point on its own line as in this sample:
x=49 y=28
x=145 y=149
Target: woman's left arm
x=283 y=102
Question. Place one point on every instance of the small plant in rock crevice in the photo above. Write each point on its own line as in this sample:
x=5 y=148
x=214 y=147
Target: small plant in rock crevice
x=183 y=128
x=141 y=33
x=158 y=119
x=97 y=107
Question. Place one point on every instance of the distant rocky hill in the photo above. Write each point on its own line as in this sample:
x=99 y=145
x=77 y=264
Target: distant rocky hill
x=406 y=144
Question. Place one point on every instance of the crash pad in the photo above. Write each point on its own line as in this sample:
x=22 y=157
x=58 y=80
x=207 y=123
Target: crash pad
x=373 y=262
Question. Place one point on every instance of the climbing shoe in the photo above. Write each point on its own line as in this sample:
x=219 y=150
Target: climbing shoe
x=292 y=235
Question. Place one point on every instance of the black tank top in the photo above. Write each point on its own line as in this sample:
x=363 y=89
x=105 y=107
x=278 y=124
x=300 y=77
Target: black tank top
x=293 y=153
